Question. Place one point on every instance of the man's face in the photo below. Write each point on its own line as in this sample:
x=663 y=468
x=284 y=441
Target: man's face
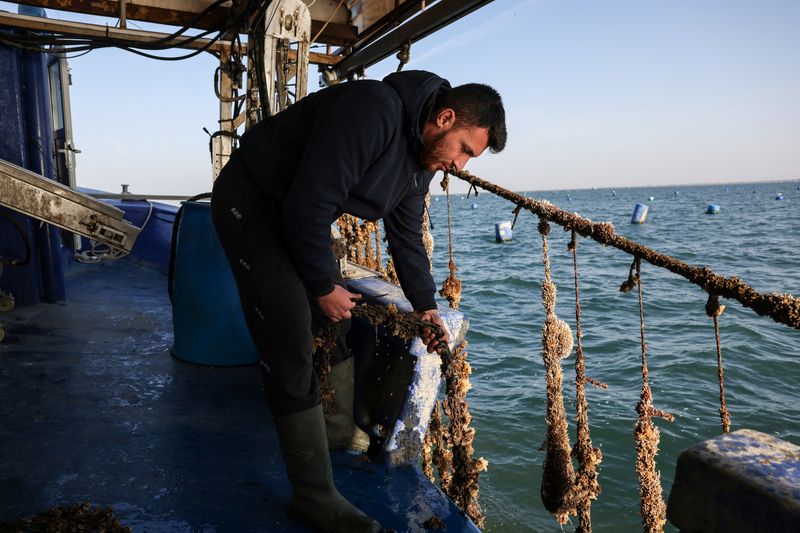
x=448 y=145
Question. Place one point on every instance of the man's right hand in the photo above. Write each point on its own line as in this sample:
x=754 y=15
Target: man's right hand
x=336 y=305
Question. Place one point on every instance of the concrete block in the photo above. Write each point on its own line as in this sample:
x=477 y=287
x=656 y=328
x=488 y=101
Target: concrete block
x=745 y=481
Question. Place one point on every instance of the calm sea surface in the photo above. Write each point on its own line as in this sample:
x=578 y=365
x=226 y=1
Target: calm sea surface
x=754 y=237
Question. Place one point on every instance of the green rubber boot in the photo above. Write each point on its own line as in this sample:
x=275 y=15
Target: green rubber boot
x=343 y=433
x=315 y=500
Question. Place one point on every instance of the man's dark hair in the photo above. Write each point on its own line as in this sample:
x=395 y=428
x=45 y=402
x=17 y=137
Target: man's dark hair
x=477 y=105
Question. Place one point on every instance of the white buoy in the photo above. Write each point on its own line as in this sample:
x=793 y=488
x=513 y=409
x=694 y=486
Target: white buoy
x=502 y=231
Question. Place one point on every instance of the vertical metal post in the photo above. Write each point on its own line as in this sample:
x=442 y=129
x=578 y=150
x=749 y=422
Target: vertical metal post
x=288 y=23
x=253 y=102
x=123 y=18
x=222 y=144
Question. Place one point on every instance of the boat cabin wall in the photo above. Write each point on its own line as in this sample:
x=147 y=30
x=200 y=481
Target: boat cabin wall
x=26 y=139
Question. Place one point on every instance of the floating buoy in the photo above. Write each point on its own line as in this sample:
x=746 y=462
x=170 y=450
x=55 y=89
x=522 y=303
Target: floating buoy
x=779 y=196
x=639 y=214
x=651 y=198
x=502 y=231
x=676 y=193
x=613 y=193
x=712 y=209
x=474 y=205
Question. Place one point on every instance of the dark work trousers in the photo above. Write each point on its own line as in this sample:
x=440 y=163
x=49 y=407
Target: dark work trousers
x=281 y=315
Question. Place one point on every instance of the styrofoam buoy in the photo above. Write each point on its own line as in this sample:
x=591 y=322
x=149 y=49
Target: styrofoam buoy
x=676 y=193
x=502 y=231
x=712 y=209
x=613 y=193
x=474 y=205
x=651 y=198
x=779 y=196
x=639 y=214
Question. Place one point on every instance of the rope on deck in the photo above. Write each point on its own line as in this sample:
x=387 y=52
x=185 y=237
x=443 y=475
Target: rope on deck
x=783 y=308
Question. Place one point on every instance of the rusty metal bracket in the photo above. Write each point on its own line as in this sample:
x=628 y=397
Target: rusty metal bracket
x=46 y=200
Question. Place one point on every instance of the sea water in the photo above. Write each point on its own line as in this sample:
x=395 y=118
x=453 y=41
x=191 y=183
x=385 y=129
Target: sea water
x=754 y=236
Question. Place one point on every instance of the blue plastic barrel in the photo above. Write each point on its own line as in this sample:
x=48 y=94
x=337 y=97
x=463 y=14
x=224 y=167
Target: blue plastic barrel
x=207 y=316
x=502 y=231
x=779 y=196
x=712 y=209
x=639 y=214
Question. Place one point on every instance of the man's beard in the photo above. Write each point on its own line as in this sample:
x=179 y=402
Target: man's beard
x=432 y=152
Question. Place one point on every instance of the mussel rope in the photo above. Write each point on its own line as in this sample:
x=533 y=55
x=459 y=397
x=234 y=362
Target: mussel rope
x=646 y=434
x=714 y=309
x=783 y=308
x=586 y=481
x=451 y=288
x=463 y=489
x=558 y=476
x=378 y=258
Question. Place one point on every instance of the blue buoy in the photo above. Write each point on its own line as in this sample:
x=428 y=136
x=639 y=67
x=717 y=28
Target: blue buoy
x=639 y=214
x=712 y=209
x=474 y=205
x=779 y=196
x=502 y=231
x=209 y=326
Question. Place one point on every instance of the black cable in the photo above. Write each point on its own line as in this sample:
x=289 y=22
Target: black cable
x=80 y=45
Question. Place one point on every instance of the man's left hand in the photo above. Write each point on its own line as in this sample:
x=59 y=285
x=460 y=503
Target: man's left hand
x=429 y=335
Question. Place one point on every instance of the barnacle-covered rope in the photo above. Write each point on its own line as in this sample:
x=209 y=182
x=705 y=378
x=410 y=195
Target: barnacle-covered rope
x=558 y=477
x=783 y=308
x=646 y=434
x=714 y=309
x=589 y=457
x=451 y=288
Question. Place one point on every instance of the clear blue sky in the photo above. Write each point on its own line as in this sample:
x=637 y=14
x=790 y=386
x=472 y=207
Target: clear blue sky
x=598 y=94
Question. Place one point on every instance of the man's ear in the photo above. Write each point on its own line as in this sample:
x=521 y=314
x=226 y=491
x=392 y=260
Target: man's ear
x=445 y=118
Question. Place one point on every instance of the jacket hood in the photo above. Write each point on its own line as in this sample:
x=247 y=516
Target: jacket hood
x=415 y=88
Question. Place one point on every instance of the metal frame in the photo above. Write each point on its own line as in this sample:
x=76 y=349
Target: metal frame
x=44 y=199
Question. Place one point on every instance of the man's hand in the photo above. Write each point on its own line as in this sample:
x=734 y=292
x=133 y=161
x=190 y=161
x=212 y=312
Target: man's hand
x=429 y=336
x=336 y=305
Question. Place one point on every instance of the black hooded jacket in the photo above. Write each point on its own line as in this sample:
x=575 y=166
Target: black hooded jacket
x=351 y=148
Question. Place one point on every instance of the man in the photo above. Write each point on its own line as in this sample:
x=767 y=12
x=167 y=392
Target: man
x=367 y=148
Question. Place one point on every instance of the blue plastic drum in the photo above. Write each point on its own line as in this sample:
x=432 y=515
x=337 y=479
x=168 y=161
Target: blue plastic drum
x=639 y=214
x=207 y=316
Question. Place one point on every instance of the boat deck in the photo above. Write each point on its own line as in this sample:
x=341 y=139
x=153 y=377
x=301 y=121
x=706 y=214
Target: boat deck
x=94 y=408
